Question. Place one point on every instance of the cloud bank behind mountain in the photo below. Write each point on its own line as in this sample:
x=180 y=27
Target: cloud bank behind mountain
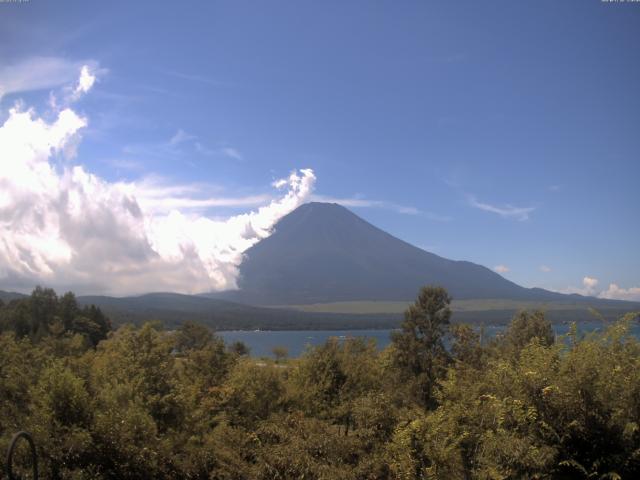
x=63 y=226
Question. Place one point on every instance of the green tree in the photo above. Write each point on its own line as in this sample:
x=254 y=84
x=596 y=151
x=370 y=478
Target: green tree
x=419 y=352
x=43 y=304
x=466 y=347
x=16 y=317
x=239 y=348
x=253 y=392
x=280 y=353
x=192 y=336
x=68 y=310
x=61 y=421
x=142 y=359
x=526 y=326
x=96 y=326
x=331 y=377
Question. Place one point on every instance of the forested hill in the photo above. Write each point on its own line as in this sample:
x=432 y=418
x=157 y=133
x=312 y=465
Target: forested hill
x=173 y=309
x=8 y=296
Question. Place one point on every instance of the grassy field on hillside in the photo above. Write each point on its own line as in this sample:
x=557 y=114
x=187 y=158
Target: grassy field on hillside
x=481 y=305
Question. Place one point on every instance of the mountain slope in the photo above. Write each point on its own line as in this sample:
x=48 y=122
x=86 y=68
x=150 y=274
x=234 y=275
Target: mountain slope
x=323 y=252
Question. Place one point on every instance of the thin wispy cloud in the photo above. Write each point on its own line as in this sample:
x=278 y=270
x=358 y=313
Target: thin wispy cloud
x=37 y=73
x=364 y=203
x=155 y=186
x=231 y=153
x=356 y=202
x=160 y=195
x=155 y=89
x=194 y=78
x=506 y=211
x=143 y=151
x=167 y=204
x=227 y=152
x=201 y=149
x=501 y=268
x=180 y=137
x=189 y=141
x=124 y=164
x=545 y=268
x=176 y=146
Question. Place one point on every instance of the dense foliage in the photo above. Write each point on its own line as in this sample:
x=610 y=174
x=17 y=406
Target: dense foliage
x=140 y=403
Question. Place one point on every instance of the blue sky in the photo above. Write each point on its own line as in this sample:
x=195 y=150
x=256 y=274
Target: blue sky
x=505 y=133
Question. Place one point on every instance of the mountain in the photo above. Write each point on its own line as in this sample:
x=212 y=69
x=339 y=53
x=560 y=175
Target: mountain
x=6 y=297
x=322 y=252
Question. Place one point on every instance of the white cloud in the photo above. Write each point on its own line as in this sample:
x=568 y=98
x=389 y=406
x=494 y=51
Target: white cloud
x=545 y=268
x=507 y=211
x=68 y=228
x=166 y=204
x=614 y=292
x=86 y=81
x=501 y=268
x=589 y=285
x=280 y=183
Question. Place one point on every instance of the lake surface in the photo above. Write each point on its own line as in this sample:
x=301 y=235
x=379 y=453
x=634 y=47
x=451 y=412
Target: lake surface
x=262 y=342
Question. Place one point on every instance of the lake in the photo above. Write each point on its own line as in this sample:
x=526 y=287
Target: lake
x=261 y=342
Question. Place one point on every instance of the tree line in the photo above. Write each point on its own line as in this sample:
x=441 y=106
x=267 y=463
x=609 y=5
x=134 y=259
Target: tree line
x=144 y=402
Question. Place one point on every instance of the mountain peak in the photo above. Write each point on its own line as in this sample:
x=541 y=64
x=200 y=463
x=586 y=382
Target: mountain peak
x=321 y=206
x=323 y=252
x=318 y=211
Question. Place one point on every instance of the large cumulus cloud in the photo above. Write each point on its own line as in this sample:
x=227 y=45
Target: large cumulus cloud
x=63 y=226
